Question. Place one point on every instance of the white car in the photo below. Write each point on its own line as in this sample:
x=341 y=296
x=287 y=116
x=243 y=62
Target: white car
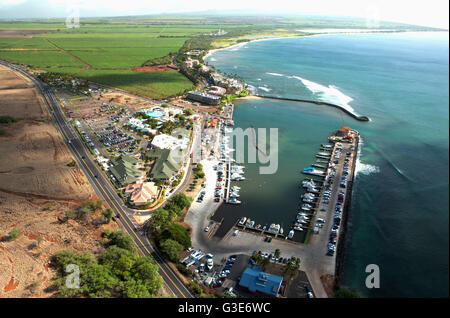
x=207 y=229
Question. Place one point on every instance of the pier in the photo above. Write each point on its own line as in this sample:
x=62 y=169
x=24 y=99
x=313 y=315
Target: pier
x=351 y=114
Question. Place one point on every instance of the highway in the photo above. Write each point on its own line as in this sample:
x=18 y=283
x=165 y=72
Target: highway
x=103 y=187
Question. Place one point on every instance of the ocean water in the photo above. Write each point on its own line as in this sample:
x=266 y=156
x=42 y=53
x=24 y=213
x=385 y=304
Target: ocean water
x=400 y=207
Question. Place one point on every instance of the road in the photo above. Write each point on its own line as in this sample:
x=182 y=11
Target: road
x=103 y=188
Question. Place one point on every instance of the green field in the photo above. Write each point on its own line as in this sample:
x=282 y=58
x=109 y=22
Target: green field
x=105 y=49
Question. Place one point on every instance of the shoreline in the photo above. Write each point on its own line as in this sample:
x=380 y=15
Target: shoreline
x=371 y=31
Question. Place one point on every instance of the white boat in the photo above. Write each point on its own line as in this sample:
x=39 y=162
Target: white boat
x=242 y=221
x=234 y=201
x=209 y=263
x=291 y=234
x=281 y=230
x=274 y=228
x=297 y=228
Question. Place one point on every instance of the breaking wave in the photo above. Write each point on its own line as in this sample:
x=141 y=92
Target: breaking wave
x=275 y=74
x=264 y=88
x=329 y=94
x=365 y=168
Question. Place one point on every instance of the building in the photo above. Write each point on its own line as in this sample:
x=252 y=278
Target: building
x=216 y=90
x=139 y=125
x=167 y=164
x=178 y=139
x=256 y=281
x=124 y=169
x=203 y=98
x=141 y=193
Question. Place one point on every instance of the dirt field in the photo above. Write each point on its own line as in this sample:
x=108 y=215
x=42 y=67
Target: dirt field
x=156 y=68
x=21 y=33
x=125 y=100
x=36 y=187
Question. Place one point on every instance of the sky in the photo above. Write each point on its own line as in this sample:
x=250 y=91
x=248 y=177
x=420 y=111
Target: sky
x=433 y=13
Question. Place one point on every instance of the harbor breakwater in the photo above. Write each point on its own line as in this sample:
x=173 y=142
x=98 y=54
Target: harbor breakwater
x=340 y=250
x=351 y=114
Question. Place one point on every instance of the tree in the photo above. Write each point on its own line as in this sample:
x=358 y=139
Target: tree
x=108 y=213
x=122 y=240
x=177 y=233
x=297 y=263
x=160 y=218
x=277 y=253
x=134 y=289
x=13 y=234
x=199 y=175
x=120 y=261
x=188 y=111
x=146 y=271
x=264 y=262
x=172 y=249
x=98 y=281
x=99 y=204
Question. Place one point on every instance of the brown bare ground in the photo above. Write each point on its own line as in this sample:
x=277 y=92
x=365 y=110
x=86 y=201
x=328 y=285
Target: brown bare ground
x=155 y=68
x=21 y=33
x=36 y=187
x=125 y=100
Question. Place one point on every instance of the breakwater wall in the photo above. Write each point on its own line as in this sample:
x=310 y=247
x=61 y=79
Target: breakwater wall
x=340 y=251
x=351 y=114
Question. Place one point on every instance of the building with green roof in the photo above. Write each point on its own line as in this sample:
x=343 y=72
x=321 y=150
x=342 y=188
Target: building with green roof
x=124 y=169
x=168 y=162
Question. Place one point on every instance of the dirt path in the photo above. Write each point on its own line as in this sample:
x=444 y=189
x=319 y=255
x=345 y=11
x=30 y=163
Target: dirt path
x=88 y=66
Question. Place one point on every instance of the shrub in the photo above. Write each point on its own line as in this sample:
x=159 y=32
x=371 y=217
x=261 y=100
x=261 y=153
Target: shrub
x=172 y=249
x=177 y=233
x=108 y=213
x=13 y=234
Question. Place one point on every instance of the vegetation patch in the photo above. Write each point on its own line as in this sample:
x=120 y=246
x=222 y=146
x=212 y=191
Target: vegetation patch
x=118 y=272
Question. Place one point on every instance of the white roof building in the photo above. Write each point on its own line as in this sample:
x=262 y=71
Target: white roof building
x=164 y=141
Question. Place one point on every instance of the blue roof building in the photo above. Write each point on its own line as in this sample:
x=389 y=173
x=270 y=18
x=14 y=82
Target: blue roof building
x=255 y=280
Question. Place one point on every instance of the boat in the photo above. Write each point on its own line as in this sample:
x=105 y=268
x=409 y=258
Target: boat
x=281 y=230
x=306 y=206
x=234 y=201
x=242 y=221
x=291 y=234
x=252 y=223
x=297 y=228
x=313 y=171
x=209 y=263
x=264 y=227
x=274 y=228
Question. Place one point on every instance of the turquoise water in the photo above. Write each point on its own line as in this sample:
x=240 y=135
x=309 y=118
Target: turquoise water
x=399 y=217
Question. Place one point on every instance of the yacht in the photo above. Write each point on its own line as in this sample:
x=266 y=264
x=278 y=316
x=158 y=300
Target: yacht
x=313 y=171
x=234 y=201
x=291 y=234
x=242 y=221
x=297 y=228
